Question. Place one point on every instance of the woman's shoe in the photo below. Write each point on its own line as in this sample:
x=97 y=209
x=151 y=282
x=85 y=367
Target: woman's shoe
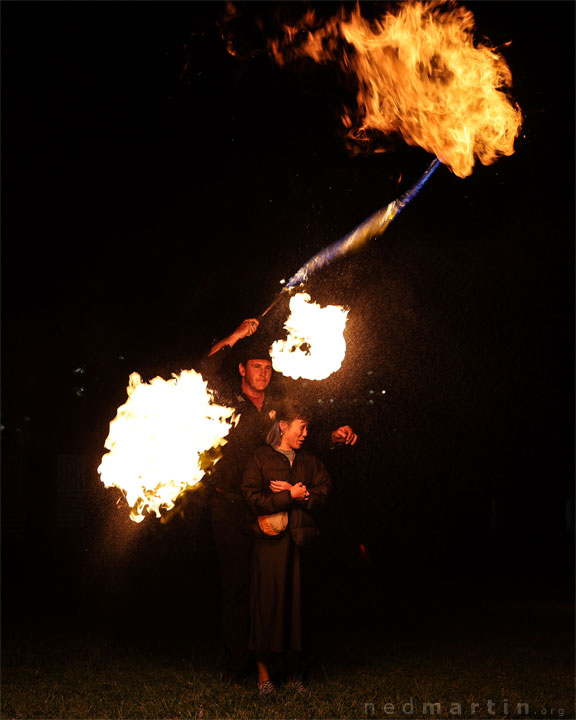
x=296 y=684
x=266 y=688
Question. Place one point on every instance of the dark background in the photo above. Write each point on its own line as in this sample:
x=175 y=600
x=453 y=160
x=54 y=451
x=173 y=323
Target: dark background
x=155 y=191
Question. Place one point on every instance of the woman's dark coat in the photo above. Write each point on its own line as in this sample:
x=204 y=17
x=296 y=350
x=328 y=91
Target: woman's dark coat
x=268 y=464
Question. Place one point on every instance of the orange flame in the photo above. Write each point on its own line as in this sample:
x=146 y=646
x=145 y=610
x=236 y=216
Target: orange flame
x=419 y=74
x=315 y=347
x=159 y=440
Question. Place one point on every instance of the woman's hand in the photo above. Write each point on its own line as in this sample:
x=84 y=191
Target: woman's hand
x=278 y=485
x=299 y=492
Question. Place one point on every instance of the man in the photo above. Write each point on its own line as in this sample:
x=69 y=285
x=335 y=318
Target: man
x=233 y=545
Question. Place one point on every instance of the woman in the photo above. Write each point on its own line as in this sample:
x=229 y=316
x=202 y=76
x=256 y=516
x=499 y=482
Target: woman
x=282 y=486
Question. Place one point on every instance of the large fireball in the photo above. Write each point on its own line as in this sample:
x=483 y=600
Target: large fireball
x=421 y=74
x=158 y=440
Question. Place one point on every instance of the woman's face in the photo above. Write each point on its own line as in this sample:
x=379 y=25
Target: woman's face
x=294 y=433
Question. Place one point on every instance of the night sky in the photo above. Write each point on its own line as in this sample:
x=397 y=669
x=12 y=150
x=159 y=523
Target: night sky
x=157 y=189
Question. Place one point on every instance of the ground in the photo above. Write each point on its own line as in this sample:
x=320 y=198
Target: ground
x=378 y=649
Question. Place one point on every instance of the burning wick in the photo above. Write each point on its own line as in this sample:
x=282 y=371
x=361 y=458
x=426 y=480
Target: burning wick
x=163 y=440
x=315 y=346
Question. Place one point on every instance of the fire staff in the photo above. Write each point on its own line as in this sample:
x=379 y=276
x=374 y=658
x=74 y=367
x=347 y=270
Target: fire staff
x=228 y=517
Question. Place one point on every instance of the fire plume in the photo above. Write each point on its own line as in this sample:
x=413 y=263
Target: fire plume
x=315 y=347
x=159 y=441
x=420 y=74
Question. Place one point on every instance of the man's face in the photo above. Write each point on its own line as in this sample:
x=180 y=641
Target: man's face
x=295 y=432
x=256 y=374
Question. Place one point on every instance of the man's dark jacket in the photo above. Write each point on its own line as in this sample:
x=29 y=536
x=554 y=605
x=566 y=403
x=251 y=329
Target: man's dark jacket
x=267 y=465
x=243 y=440
x=248 y=435
x=251 y=431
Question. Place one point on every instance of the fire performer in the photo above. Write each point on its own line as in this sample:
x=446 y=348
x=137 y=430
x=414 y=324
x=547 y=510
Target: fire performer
x=228 y=515
x=283 y=487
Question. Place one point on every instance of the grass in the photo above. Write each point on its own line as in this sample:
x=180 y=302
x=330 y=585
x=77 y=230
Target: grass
x=373 y=658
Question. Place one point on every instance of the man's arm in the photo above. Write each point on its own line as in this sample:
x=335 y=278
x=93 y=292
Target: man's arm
x=245 y=329
x=211 y=365
x=322 y=439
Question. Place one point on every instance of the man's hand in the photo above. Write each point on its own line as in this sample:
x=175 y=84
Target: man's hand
x=344 y=435
x=278 y=485
x=246 y=328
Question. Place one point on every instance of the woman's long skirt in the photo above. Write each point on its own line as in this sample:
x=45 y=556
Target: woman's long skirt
x=275 y=606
